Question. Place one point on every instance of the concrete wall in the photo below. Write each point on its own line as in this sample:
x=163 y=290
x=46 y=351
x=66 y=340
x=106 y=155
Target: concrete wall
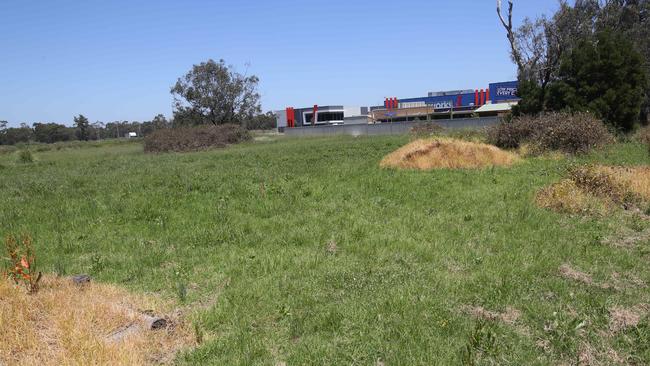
x=397 y=128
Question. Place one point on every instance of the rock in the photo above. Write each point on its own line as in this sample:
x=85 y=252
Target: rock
x=121 y=333
x=81 y=279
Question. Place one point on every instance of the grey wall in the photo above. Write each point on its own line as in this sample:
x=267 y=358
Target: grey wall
x=396 y=128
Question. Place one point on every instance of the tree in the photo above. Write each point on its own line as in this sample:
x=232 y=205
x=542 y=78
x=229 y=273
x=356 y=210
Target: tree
x=606 y=77
x=52 y=132
x=266 y=121
x=3 y=125
x=159 y=121
x=96 y=130
x=14 y=135
x=538 y=47
x=213 y=92
x=83 y=127
x=632 y=19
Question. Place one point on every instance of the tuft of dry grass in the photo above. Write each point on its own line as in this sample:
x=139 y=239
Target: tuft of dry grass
x=444 y=153
x=566 y=197
x=622 y=318
x=636 y=180
x=67 y=324
x=509 y=316
x=597 y=190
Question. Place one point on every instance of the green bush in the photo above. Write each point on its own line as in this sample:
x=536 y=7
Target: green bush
x=570 y=133
x=195 y=138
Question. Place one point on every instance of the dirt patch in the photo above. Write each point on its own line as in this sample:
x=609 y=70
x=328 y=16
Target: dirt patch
x=587 y=355
x=621 y=318
x=510 y=316
x=567 y=271
x=618 y=281
x=332 y=248
x=93 y=324
x=443 y=153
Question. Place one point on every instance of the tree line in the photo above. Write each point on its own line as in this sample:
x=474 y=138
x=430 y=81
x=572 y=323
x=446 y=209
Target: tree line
x=592 y=56
x=86 y=131
x=210 y=93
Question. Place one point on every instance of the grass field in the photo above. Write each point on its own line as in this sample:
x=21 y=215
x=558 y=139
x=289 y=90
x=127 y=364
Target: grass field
x=306 y=252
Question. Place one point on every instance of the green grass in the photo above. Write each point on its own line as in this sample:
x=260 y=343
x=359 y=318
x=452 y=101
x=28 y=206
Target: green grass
x=246 y=229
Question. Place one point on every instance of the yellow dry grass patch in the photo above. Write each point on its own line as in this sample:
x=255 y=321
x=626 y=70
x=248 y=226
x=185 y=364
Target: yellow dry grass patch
x=597 y=190
x=441 y=153
x=566 y=197
x=635 y=179
x=63 y=324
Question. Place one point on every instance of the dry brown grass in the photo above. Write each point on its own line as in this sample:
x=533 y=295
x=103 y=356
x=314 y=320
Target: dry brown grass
x=442 y=153
x=63 y=324
x=566 y=197
x=636 y=180
x=509 y=316
x=621 y=318
x=598 y=190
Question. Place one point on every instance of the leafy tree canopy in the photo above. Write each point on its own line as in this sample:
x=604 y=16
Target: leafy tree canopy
x=605 y=77
x=213 y=92
x=83 y=127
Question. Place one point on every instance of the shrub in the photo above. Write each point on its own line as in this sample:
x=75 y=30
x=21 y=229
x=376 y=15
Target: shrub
x=194 y=138
x=570 y=133
x=25 y=157
x=510 y=134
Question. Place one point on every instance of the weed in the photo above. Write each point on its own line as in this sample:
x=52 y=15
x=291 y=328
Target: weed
x=25 y=157
x=181 y=292
x=97 y=263
x=22 y=262
x=564 y=330
x=481 y=344
x=59 y=269
x=637 y=223
x=198 y=334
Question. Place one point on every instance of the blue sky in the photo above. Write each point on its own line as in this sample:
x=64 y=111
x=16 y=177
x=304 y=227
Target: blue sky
x=116 y=60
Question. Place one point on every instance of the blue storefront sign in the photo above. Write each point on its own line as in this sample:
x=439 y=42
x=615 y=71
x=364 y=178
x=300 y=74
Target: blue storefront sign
x=506 y=91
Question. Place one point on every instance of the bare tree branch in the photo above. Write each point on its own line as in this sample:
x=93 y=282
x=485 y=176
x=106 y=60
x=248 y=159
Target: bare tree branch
x=516 y=55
